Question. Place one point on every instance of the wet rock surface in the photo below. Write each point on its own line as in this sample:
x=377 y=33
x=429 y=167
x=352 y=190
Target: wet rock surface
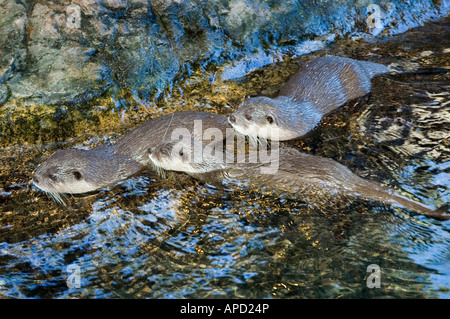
x=61 y=51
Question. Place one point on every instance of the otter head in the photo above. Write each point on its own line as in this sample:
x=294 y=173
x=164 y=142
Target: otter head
x=277 y=119
x=63 y=172
x=187 y=155
x=76 y=171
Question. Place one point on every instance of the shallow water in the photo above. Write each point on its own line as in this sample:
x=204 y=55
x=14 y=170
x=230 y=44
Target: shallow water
x=173 y=238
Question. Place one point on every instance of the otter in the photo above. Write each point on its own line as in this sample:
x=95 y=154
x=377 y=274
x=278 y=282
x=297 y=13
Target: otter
x=321 y=86
x=77 y=171
x=315 y=179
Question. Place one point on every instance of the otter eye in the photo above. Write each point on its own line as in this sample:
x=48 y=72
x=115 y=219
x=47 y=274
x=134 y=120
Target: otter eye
x=181 y=153
x=248 y=117
x=77 y=175
x=270 y=119
x=52 y=177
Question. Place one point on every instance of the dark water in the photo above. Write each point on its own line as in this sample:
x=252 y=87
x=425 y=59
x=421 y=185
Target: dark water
x=151 y=237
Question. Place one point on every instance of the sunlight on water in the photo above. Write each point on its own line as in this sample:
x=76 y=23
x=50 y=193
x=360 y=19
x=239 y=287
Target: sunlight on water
x=174 y=237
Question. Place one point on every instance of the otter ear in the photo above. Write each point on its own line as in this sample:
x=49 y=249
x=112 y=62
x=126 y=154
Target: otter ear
x=166 y=149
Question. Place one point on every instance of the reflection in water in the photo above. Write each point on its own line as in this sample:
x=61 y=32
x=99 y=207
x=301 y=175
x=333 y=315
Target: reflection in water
x=203 y=243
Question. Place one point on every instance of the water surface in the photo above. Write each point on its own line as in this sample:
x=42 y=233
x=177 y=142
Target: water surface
x=173 y=237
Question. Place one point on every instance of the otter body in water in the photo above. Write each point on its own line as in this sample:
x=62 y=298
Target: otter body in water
x=77 y=171
x=312 y=178
x=320 y=87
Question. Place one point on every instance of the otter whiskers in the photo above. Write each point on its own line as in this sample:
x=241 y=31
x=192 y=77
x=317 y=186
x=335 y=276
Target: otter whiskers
x=158 y=169
x=57 y=197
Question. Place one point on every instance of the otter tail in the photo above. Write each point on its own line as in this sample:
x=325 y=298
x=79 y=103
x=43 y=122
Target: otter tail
x=389 y=196
x=407 y=203
x=373 y=68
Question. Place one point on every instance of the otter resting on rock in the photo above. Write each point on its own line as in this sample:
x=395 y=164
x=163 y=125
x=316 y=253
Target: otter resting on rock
x=76 y=171
x=321 y=86
x=314 y=179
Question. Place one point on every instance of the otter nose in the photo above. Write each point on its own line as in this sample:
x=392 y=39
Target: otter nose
x=232 y=119
x=35 y=180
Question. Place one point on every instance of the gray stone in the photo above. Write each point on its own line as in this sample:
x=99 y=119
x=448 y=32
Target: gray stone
x=60 y=67
x=3 y=94
x=64 y=51
x=13 y=51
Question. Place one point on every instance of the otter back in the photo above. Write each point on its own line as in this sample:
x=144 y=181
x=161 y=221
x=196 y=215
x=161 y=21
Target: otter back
x=135 y=143
x=329 y=82
x=78 y=171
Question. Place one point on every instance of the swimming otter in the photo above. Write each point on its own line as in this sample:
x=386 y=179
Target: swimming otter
x=77 y=171
x=313 y=178
x=321 y=86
